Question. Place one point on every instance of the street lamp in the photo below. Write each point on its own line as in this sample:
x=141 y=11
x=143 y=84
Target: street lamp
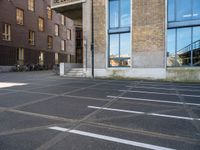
x=92 y=40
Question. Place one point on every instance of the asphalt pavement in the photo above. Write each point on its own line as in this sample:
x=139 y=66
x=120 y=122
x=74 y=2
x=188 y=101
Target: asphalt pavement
x=42 y=111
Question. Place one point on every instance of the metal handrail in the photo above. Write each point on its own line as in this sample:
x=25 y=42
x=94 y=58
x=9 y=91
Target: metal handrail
x=190 y=47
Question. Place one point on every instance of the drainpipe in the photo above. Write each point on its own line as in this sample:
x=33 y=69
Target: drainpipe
x=92 y=42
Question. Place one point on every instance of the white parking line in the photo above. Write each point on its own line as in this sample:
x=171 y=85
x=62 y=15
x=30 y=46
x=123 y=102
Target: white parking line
x=112 y=139
x=161 y=88
x=144 y=113
x=152 y=100
x=160 y=93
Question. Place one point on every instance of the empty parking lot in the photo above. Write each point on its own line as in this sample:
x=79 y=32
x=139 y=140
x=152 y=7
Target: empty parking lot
x=40 y=111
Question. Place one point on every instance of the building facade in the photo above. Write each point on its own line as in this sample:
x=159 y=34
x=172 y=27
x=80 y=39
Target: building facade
x=32 y=33
x=139 y=38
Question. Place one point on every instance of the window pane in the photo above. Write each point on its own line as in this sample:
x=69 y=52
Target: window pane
x=125 y=49
x=183 y=10
x=196 y=9
x=114 y=50
x=125 y=13
x=196 y=46
x=183 y=46
x=171 y=36
x=171 y=10
x=114 y=13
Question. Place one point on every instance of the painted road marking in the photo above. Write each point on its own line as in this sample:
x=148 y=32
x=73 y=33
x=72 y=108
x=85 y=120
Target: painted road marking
x=112 y=139
x=160 y=93
x=143 y=113
x=161 y=88
x=152 y=100
x=11 y=84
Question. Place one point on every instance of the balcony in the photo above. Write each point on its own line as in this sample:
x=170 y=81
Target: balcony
x=70 y=8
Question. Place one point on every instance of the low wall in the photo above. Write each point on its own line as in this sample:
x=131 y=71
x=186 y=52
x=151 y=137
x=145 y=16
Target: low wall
x=66 y=67
x=183 y=74
x=6 y=68
x=140 y=73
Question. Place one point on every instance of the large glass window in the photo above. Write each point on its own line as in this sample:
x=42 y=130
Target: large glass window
x=125 y=13
x=120 y=50
x=196 y=9
x=183 y=10
x=114 y=13
x=171 y=61
x=119 y=33
x=196 y=46
x=171 y=10
x=183 y=47
x=183 y=33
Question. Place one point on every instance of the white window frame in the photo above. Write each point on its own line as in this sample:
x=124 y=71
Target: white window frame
x=6 y=32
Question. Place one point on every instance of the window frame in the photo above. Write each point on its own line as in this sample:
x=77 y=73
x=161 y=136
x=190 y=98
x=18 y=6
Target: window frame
x=69 y=34
x=41 y=58
x=39 y=25
x=50 y=42
x=6 y=32
x=31 y=5
x=19 y=20
x=31 y=39
x=20 y=60
x=56 y=30
x=49 y=13
x=118 y=30
x=63 y=45
x=63 y=20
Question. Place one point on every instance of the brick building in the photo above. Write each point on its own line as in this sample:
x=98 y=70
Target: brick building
x=32 y=33
x=139 y=38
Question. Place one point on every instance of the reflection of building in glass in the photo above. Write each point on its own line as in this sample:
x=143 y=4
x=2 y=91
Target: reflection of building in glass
x=184 y=55
x=183 y=33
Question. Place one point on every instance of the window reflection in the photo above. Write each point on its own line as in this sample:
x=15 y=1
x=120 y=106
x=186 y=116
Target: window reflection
x=183 y=10
x=119 y=33
x=120 y=50
x=114 y=13
x=114 y=50
x=183 y=46
x=125 y=49
x=196 y=9
x=171 y=10
x=185 y=42
x=125 y=13
x=196 y=46
x=171 y=47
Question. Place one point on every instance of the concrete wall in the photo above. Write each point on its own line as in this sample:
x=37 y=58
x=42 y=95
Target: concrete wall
x=183 y=74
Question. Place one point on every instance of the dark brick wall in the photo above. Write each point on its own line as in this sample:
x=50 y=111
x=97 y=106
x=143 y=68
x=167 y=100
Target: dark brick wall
x=19 y=34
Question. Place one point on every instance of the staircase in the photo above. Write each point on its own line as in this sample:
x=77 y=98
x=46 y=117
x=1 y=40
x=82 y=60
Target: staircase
x=75 y=72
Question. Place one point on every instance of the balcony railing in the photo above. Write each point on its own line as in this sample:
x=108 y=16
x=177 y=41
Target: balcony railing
x=193 y=46
x=61 y=3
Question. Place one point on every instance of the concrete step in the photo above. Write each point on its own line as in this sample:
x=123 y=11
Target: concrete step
x=75 y=72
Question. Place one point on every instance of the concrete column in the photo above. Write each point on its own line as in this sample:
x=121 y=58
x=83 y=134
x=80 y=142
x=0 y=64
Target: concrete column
x=62 y=69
